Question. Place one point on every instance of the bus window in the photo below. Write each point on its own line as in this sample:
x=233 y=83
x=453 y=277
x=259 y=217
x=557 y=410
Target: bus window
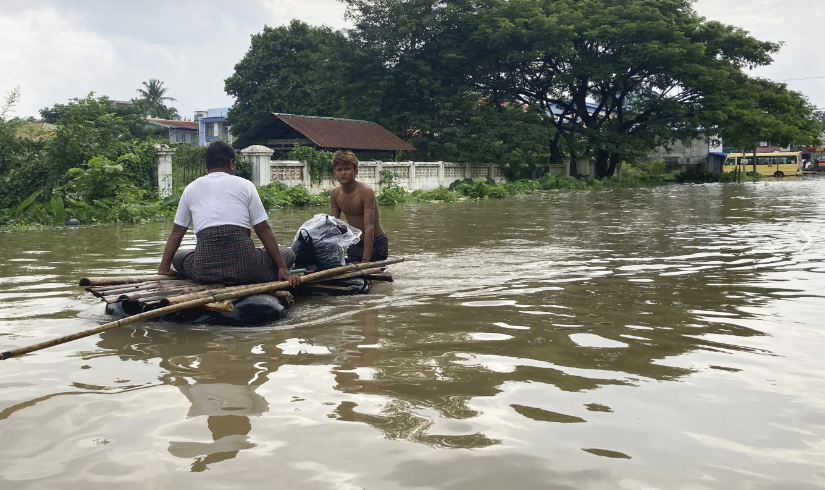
x=730 y=161
x=745 y=161
x=765 y=160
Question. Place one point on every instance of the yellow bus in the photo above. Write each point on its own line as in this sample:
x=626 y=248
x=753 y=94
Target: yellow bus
x=776 y=164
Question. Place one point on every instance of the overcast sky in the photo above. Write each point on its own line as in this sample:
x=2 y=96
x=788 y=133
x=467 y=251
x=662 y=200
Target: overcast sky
x=55 y=50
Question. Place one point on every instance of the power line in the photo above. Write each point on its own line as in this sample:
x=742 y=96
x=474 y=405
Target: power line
x=806 y=78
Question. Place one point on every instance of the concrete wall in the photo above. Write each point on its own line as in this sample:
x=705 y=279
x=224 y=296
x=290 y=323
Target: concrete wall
x=410 y=175
x=683 y=153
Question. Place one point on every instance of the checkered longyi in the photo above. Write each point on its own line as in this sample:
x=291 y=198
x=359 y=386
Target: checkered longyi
x=226 y=254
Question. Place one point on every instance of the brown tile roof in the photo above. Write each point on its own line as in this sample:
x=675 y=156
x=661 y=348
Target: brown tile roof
x=166 y=123
x=326 y=132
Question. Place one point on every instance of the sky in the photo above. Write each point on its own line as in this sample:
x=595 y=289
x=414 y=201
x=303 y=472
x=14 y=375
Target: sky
x=55 y=50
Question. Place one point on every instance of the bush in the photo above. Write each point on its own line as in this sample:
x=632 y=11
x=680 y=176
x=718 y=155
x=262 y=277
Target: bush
x=319 y=162
x=279 y=195
x=440 y=194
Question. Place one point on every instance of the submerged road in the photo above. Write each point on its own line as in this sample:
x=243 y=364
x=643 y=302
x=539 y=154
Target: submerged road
x=655 y=338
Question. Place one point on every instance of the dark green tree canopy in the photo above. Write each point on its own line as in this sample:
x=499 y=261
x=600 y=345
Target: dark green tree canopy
x=292 y=69
x=608 y=79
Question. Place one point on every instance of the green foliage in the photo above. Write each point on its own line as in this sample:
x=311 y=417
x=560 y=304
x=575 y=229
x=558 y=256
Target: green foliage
x=442 y=194
x=278 y=195
x=291 y=69
x=392 y=193
x=701 y=173
x=319 y=162
x=524 y=82
x=101 y=178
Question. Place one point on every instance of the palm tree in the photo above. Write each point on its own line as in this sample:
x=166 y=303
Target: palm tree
x=153 y=99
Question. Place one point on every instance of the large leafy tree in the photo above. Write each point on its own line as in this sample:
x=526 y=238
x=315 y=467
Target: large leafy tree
x=297 y=69
x=756 y=110
x=603 y=79
x=152 y=99
x=616 y=77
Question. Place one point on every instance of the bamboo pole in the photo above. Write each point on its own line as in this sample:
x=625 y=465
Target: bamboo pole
x=121 y=289
x=357 y=274
x=384 y=276
x=105 y=281
x=220 y=307
x=165 y=292
x=218 y=296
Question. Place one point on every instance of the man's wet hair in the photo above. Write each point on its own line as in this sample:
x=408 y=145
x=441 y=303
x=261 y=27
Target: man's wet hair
x=218 y=154
x=344 y=157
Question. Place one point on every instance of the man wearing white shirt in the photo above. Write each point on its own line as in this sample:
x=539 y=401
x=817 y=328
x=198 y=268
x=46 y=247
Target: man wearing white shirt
x=223 y=209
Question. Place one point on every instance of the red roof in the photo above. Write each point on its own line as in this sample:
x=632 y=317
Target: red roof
x=166 y=123
x=326 y=132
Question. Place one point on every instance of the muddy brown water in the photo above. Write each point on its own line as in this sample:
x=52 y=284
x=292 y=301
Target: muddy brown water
x=655 y=338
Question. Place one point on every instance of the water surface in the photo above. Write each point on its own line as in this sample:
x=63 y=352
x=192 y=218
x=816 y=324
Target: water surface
x=657 y=338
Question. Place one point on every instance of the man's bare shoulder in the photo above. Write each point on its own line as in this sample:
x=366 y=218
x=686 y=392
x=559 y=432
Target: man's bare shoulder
x=365 y=189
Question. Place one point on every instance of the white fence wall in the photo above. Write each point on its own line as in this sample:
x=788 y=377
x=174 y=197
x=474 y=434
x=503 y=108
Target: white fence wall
x=410 y=175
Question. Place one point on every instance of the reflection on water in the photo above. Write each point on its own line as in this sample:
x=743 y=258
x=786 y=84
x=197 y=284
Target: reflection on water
x=664 y=338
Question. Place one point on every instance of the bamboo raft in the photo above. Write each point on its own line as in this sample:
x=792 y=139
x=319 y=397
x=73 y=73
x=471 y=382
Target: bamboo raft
x=164 y=295
x=131 y=295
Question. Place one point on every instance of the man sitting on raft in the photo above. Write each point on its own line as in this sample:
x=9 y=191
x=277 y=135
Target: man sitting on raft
x=358 y=203
x=223 y=208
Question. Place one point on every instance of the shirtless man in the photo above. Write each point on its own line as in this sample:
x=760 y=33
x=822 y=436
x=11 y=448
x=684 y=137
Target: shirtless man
x=358 y=203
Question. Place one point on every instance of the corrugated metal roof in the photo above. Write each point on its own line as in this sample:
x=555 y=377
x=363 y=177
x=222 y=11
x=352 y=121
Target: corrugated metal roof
x=329 y=132
x=166 y=123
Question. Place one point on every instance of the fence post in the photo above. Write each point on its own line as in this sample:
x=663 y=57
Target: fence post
x=379 y=167
x=164 y=153
x=260 y=157
x=440 y=174
x=412 y=176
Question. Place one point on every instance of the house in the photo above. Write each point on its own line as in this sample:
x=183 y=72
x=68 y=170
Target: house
x=282 y=132
x=185 y=132
x=681 y=153
x=36 y=131
x=212 y=126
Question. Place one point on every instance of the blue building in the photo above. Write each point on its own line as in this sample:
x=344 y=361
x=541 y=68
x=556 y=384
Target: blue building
x=212 y=126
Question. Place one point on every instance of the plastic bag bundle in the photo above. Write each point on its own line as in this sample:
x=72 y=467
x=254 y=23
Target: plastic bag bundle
x=321 y=241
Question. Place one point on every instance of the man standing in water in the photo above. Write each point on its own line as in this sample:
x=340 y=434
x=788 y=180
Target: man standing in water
x=223 y=207
x=358 y=203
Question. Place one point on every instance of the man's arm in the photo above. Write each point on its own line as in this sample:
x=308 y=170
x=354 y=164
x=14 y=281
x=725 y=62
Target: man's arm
x=172 y=245
x=270 y=243
x=334 y=210
x=369 y=224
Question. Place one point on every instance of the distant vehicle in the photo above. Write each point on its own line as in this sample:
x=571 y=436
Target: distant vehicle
x=777 y=164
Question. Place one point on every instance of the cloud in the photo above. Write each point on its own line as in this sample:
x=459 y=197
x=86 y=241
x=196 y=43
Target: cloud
x=793 y=22
x=56 y=50
x=59 y=50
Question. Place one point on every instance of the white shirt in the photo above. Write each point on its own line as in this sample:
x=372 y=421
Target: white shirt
x=220 y=199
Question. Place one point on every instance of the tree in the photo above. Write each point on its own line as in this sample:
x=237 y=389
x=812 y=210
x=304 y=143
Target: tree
x=293 y=69
x=819 y=115
x=619 y=76
x=608 y=79
x=12 y=98
x=153 y=100
x=756 y=110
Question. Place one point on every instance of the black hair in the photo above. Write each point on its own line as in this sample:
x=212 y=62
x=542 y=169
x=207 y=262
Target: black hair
x=218 y=154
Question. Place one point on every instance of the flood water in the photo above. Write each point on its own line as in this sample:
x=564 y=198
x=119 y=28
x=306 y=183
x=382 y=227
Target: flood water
x=668 y=338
